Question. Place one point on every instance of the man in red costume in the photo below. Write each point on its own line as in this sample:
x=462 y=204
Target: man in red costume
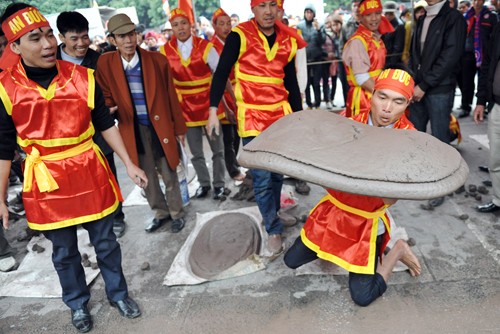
x=262 y=51
x=364 y=56
x=352 y=230
x=52 y=106
x=193 y=60
x=222 y=27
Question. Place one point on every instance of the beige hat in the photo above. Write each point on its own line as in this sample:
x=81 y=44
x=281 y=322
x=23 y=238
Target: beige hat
x=120 y=24
x=419 y=4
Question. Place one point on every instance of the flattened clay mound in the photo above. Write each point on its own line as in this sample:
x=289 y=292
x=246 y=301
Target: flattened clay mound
x=224 y=241
x=335 y=152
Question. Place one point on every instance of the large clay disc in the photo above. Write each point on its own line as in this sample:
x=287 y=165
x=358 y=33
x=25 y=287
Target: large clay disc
x=222 y=242
x=335 y=152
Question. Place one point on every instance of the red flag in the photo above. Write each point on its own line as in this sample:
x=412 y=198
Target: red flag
x=187 y=6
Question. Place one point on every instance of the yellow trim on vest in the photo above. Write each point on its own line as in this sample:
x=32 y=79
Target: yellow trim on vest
x=269 y=107
x=202 y=123
x=6 y=100
x=162 y=50
x=58 y=141
x=204 y=81
x=255 y=78
x=48 y=93
x=294 y=49
x=75 y=221
x=34 y=164
x=374 y=216
x=91 y=92
x=270 y=52
x=243 y=41
x=372 y=74
x=241 y=112
x=207 y=52
x=192 y=91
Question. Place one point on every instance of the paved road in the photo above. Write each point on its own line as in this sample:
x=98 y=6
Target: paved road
x=458 y=291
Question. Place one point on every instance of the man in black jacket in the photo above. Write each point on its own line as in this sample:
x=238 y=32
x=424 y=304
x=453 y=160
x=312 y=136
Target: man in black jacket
x=480 y=20
x=488 y=90
x=394 y=41
x=75 y=47
x=437 y=46
x=315 y=37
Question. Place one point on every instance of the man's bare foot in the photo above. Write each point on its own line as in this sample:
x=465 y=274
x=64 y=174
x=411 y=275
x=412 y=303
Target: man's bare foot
x=408 y=257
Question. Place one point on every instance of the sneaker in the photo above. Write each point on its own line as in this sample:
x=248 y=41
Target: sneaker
x=6 y=264
x=329 y=105
x=274 y=244
x=302 y=188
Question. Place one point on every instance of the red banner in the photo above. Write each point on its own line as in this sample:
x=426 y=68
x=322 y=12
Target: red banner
x=187 y=6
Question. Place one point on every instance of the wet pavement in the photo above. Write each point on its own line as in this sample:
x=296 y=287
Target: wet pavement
x=458 y=291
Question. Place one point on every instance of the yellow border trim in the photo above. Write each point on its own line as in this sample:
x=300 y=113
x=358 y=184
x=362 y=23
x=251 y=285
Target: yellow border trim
x=91 y=92
x=6 y=100
x=58 y=141
x=199 y=82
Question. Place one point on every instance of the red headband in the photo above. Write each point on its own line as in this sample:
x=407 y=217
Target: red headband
x=254 y=3
x=218 y=13
x=370 y=6
x=397 y=80
x=280 y=4
x=178 y=13
x=15 y=26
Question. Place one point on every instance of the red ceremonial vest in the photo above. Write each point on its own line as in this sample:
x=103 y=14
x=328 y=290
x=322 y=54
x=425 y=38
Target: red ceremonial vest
x=67 y=178
x=261 y=96
x=342 y=228
x=358 y=100
x=218 y=45
x=192 y=79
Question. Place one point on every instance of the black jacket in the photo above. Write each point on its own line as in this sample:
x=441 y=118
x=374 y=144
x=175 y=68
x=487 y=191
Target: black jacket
x=89 y=61
x=314 y=38
x=436 y=66
x=488 y=67
x=488 y=22
x=394 y=43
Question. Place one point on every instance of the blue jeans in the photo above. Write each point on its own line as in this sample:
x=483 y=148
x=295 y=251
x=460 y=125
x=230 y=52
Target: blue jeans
x=435 y=108
x=267 y=188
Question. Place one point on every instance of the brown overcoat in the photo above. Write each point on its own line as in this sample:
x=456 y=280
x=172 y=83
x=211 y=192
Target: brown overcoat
x=162 y=104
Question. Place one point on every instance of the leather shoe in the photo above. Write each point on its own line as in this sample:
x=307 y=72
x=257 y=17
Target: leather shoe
x=463 y=113
x=156 y=223
x=488 y=207
x=81 y=319
x=484 y=169
x=219 y=193
x=178 y=225
x=127 y=308
x=202 y=192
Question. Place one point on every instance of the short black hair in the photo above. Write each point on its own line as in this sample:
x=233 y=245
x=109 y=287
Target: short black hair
x=10 y=10
x=72 y=21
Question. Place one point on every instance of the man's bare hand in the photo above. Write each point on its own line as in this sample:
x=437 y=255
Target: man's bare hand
x=137 y=175
x=418 y=94
x=479 y=114
x=112 y=110
x=213 y=124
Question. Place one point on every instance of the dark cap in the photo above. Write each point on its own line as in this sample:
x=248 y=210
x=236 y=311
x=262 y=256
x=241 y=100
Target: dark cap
x=120 y=24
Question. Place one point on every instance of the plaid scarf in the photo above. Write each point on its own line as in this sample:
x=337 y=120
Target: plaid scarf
x=470 y=17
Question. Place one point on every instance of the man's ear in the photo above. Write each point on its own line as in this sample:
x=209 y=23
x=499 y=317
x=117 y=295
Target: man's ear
x=61 y=37
x=112 y=40
x=15 y=48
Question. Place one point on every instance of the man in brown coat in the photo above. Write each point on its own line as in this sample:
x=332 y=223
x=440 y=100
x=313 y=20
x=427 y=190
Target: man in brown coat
x=138 y=87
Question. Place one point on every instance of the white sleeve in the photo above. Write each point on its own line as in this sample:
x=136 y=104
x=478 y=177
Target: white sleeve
x=301 y=67
x=213 y=59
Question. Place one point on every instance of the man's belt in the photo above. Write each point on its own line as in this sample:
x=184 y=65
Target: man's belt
x=34 y=163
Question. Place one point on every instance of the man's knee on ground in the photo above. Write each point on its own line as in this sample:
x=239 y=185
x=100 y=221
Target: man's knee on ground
x=290 y=261
x=366 y=288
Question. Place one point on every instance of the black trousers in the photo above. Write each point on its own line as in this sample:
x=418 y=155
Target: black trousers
x=231 y=147
x=364 y=288
x=313 y=79
x=67 y=261
x=466 y=80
